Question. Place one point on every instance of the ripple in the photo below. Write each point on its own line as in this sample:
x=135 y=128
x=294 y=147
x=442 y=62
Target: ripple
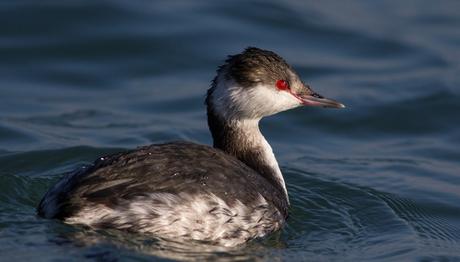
x=335 y=218
x=436 y=225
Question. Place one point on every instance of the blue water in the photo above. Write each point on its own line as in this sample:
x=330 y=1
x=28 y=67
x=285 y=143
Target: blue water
x=377 y=181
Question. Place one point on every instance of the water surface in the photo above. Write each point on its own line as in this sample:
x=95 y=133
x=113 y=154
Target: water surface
x=378 y=181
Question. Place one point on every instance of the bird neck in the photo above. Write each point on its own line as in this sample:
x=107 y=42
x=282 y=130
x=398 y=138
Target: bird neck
x=242 y=139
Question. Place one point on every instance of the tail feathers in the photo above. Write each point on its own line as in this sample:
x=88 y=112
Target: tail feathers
x=53 y=203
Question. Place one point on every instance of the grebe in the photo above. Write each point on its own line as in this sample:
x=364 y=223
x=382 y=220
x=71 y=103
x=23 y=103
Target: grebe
x=223 y=195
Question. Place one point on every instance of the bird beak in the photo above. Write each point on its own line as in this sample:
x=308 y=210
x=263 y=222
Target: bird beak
x=313 y=99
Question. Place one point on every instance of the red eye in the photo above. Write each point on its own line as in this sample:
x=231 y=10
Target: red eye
x=282 y=85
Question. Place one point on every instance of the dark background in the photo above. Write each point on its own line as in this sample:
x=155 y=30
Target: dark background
x=377 y=181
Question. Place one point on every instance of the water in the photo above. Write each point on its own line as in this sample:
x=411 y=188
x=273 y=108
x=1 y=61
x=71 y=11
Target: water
x=378 y=181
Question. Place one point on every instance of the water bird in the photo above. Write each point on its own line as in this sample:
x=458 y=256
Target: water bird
x=223 y=195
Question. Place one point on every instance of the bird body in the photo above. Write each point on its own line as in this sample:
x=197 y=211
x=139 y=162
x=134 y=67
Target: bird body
x=225 y=195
